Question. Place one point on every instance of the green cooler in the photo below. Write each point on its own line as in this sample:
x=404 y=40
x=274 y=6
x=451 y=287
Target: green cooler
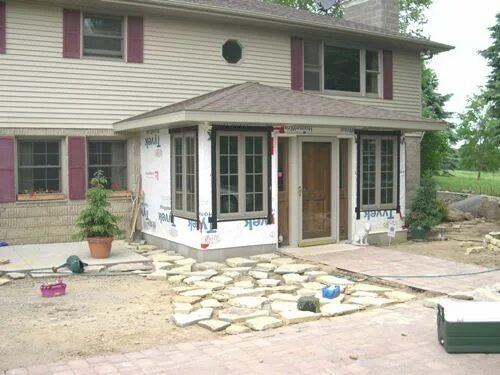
x=469 y=327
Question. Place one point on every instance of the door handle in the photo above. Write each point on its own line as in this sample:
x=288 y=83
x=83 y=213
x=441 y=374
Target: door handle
x=300 y=191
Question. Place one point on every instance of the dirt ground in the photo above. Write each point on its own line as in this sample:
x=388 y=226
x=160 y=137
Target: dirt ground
x=99 y=315
x=470 y=233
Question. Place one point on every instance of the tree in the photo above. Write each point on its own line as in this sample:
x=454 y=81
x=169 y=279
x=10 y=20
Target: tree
x=479 y=151
x=492 y=90
x=412 y=16
x=312 y=5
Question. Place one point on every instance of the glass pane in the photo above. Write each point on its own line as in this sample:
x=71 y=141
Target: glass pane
x=99 y=46
x=224 y=164
x=372 y=61
x=233 y=145
x=259 y=202
x=39 y=159
x=372 y=83
x=311 y=52
x=39 y=147
x=233 y=184
x=104 y=26
x=387 y=171
x=369 y=171
x=312 y=80
x=341 y=67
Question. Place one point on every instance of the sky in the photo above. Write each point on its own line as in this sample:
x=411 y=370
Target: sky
x=463 y=24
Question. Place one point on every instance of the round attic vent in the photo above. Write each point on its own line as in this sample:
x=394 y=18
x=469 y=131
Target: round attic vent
x=232 y=51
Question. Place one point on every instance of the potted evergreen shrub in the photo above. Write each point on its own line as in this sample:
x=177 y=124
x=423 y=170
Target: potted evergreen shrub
x=95 y=222
x=426 y=211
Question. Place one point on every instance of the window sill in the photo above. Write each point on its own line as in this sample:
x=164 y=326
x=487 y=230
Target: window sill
x=40 y=197
x=120 y=194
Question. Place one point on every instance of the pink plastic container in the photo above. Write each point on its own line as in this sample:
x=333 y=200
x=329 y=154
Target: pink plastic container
x=53 y=290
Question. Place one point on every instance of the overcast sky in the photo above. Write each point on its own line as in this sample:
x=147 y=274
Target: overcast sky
x=463 y=24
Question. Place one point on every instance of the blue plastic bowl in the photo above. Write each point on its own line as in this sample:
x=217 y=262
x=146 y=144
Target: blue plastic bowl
x=330 y=292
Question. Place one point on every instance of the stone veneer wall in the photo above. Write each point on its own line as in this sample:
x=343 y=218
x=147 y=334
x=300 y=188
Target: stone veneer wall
x=412 y=167
x=54 y=221
x=378 y=13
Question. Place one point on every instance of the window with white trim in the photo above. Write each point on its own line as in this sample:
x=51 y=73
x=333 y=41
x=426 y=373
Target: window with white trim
x=378 y=172
x=111 y=158
x=39 y=166
x=103 y=36
x=242 y=183
x=332 y=68
x=184 y=154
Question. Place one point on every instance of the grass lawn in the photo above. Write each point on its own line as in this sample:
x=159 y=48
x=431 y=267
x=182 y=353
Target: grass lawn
x=466 y=181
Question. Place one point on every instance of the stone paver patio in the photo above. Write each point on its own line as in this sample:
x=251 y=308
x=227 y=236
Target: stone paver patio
x=399 y=339
x=374 y=261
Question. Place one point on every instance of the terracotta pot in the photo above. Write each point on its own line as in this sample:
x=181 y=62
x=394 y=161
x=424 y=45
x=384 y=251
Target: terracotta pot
x=100 y=247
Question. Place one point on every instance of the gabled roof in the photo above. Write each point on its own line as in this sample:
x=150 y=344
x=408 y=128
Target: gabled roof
x=266 y=11
x=252 y=102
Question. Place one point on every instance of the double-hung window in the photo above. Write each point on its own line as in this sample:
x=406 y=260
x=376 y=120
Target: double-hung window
x=341 y=69
x=184 y=189
x=242 y=182
x=39 y=166
x=111 y=158
x=378 y=172
x=103 y=36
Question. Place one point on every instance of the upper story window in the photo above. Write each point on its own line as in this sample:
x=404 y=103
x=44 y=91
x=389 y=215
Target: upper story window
x=39 y=166
x=342 y=69
x=103 y=36
x=111 y=158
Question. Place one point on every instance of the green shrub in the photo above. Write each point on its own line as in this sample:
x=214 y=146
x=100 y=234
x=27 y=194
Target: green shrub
x=308 y=303
x=426 y=209
x=95 y=220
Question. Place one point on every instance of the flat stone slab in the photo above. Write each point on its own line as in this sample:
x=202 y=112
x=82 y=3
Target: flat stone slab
x=4 y=281
x=306 y=292
x=16 y=275
x=283 y=297
x=236 y=329
x=176 y=279
x=296 y=268
x=334 y=309
x=314 y=274
x=297 y=316
x=236 y=269
x=129 y=267
x=214 y=325
x=248 y=302
x=224 y=280
x=286 y=288
x=164 y=257
x=399 y=296
x=157 y=275
x=182 y=307
x=211 y=303
x=322 y=301
x=364 y=294
x=283 y=260
x=239 y=314
x=185 y=262
x=94 y=269
x=371 y=301
x=191 y=280
x=240 y=262
x=263 y=323
x=4 y=260
x=267 y=257
x=245 y=284
x=280 y=306
x=268 y=282
x=209 y=273
x=333 y=280
x=258 y=274
x=362 y=287
x=203 y=266
x=232 y=274
x=184 y=320
x=294 y=278
x=312 y=285
x=209 y=285
x=186 y=299
x=265 y=267
x=241 y=292
x=196 y=293
x=146 y=247
x=181 y=270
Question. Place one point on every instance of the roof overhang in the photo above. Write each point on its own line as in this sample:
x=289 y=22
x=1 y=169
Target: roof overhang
x=182 y=118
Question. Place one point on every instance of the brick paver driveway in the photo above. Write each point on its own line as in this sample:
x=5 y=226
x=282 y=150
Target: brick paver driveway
x=399 y=339
x=375 y=261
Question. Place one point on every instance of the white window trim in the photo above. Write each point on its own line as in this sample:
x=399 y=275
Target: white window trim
x=378 y=172
x=242 y=214
x=362 y=70
x=176 y=212
x=123 y=37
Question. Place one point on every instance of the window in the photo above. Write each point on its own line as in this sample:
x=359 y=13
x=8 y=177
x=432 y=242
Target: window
x=242 y=174
x=103 y=36
x=184 y=174
x=39 y=166
x=335 y=68
x=111 y=158
x=378 y=174
x=232 y=51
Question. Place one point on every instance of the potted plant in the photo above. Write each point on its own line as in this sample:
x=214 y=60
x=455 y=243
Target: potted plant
x=95 y=222
x=426 y=211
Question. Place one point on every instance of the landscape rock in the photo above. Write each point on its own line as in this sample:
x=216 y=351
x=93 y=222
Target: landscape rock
x=296 y=268
x=471 y=205
x=333 y=280
x=306 y=292
x=209 y=285
x=245 y=284
x=280 y=306
x=214 y=325
x=486 y=294
x=196 y=293
x=208 y=273
x=239 y=314
x=265 y=267
x=146 y=247
x=94 y=269
x=186 y=299
x=240 y=262
x=211 y=303
x=283 y=297
x=455 y=214
x=129 y=267
x=489 y=209
x=294 y=278
x=263 y=323
x=240 y=270
x=333 y=309
x=236 y=329
x=185 y=262
x=473 y=250
x=191 y=280
x=399 y=296
x=312 y=285
x=232 y=274
x=364 y=294
x=241 y=292
x=4 y=260
x=203 y=266
x=264 y=258
x=268 y=282
x=248 y=302
x=297 y=316
x=4 y=281
x=157 y=275
x=258 y=274
x=224 y=280
x=184 y=320
x=371 y=301
x=176 y=279
x=164 y=257
x=182 y=307
x=315 y=274
x=286 y=288
x=16 y=275
x=181 y=270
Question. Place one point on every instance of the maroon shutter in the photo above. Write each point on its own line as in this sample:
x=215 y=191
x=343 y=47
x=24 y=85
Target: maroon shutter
x=7 y=185
x=76 y=167
x=297 y=61
x=71 y=33
x=135 y=39
x=3 y=21
x=388 y=75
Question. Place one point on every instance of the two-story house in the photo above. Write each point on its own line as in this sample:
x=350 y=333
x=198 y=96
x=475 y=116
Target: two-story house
x=250 y=125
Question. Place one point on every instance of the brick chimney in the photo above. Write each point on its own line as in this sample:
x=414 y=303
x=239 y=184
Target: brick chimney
x=379 y=13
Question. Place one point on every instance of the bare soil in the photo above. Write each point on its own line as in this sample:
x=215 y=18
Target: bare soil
x=470 y=234
x=98 y=315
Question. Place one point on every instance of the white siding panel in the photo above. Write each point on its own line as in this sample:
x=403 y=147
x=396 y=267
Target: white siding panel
x=181 y=59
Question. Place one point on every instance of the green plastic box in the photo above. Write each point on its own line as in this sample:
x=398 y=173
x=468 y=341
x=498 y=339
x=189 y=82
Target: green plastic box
x=469 y=327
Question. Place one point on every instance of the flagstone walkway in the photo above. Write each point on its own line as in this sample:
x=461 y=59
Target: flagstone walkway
x=376 y=262
x=399 y=339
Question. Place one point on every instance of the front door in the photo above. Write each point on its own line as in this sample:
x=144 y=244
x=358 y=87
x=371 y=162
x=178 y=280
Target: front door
x=316 y=190
x=283 y=191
